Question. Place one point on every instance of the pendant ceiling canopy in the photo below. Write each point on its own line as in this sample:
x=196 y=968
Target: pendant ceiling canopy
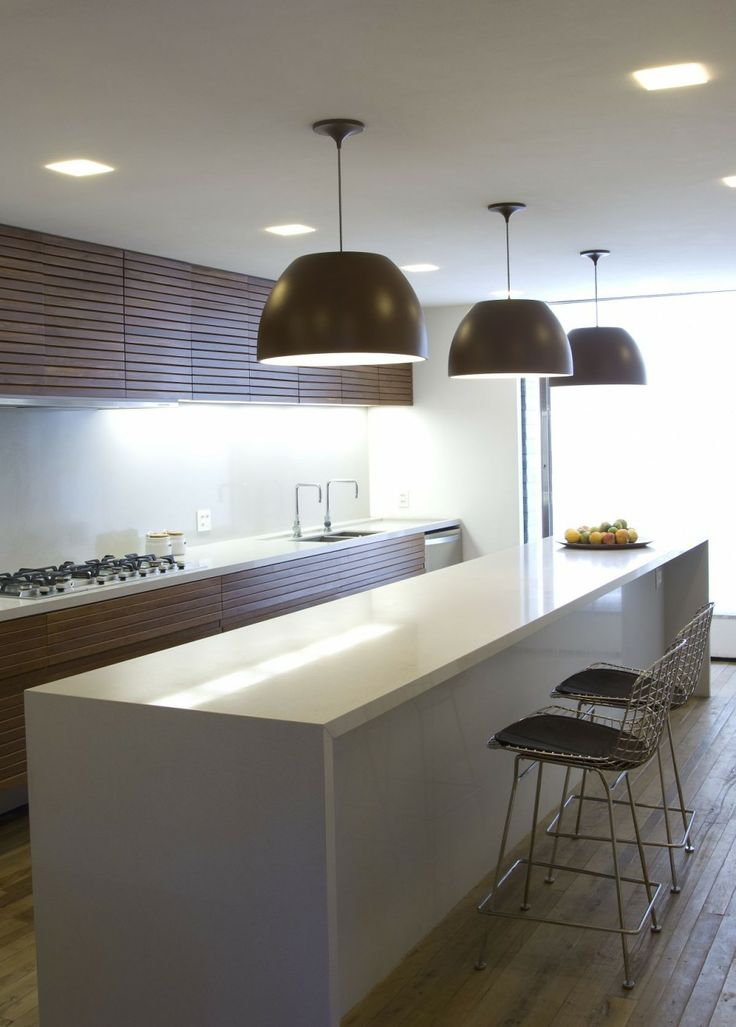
x=342 y=307
x=509 y=338
x=603 y=355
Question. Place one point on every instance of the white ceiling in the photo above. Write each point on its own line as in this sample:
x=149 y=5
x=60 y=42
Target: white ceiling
x=205 y=106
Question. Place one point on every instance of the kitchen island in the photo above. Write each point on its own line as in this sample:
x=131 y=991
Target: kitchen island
x=255 y=827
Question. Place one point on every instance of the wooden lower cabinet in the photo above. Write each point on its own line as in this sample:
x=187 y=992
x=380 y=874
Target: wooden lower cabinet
x=22 y=665
x=262 y=592
x=85 y=637
x=47 y=646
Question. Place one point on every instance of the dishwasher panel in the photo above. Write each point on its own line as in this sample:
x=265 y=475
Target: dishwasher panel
x=442 y=548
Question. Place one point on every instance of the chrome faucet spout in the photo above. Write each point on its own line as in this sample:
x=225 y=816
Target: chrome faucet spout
x=296 y=528
x=335 y=481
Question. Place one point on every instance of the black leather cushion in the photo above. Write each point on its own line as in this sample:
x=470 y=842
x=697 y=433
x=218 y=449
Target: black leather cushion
x=603 y=682
x=548 y=732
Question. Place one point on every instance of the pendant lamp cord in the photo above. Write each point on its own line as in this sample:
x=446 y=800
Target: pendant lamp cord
x=508 y=261
x=595 y=269
x=339 y=189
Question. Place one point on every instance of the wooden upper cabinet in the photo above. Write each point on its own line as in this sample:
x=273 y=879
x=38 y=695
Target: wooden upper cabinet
x=158 y=328
x=360 y=384
x=320 y=385
x=85 y=320
x=61 y=316
x=269 y=383
x=224 y=328
x=395 y=385
x=22 y=344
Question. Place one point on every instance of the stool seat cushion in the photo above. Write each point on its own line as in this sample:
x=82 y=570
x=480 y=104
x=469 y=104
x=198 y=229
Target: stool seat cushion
x=559 y=735
x=602 y=682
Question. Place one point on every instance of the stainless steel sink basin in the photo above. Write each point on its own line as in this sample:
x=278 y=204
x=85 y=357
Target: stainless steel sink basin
x=336 y=536
x=354 y=534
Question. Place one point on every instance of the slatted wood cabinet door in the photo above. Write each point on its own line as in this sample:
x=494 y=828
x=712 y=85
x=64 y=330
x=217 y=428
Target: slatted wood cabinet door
x=61 y=317
x=98 y=634
x=23 y=660
x=269 y=383
x=158 y=328
x=395 y=385
x=262 y=592
x=22 y=342
x=83 y=318
x=224 y=329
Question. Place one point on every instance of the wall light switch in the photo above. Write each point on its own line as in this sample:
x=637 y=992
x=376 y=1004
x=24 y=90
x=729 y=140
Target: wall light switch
x=403 y=500
x=204 y=520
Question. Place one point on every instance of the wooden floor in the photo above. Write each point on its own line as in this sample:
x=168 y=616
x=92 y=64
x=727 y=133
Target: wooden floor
x=541 y=975
x=537 y=975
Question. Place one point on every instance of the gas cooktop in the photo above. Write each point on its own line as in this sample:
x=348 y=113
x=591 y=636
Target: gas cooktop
x=44 y=582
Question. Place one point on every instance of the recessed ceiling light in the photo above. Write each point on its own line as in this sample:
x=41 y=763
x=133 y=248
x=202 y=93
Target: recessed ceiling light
x=672 y=76
x=730 y=181
x=419 y=268
x=79 y=168
x=290 y=229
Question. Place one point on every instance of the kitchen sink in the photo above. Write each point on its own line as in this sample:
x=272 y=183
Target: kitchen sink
x=336 y=536
x=354 y=534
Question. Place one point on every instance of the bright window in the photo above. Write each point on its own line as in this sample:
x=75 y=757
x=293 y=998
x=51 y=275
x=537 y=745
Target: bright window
x=662 y=455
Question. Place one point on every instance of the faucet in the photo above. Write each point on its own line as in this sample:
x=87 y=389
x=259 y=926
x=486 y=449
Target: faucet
x=332 y=481
x=296 y=528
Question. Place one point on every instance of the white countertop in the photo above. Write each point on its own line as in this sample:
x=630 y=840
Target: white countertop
x=343 y=663
x=217 y=558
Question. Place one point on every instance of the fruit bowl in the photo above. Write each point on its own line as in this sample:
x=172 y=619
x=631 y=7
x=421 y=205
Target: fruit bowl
x=606 y=535
x=639 y=544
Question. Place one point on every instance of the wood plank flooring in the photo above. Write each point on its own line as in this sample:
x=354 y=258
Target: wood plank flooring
x=537 y=975
x=544 y=976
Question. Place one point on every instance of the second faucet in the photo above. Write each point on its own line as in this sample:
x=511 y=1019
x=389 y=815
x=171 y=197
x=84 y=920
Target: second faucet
x=335 y=481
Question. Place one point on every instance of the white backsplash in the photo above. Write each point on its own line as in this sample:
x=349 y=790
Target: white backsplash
x=80 y=483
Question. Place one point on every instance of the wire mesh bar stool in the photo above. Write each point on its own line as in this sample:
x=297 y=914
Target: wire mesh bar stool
x=609 y=685
x=558 y=736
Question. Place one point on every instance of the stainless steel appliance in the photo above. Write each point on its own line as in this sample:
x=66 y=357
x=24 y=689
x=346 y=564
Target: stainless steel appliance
x=44 y=582
x=442 y=548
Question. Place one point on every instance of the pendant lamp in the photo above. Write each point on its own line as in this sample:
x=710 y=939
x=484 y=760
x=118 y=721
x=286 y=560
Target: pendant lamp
x=344 y=307
x=603 y=355
x=509 y=338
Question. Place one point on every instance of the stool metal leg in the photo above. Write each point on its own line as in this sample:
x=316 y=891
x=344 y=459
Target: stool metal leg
x=580 y=803
x=549 y=879
x=689 y=847
x=629 y=981
x=675 y=888
x=525 y=903
x=480 y=963
x=651 y=895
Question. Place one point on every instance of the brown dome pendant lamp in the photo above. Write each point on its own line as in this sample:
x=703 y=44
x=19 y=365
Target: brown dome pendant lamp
x=603 y=355
x=344 y=307
x=509 y=338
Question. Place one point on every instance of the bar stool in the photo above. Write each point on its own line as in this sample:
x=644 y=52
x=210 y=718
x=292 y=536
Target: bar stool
x=557 y=735
x=609 y=685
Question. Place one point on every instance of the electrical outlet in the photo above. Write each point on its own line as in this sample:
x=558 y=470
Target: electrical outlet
x=404 y=500
x=204 y=520
x=658 y=578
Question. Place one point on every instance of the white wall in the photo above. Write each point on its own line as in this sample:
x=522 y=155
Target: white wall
x=79 y=483
x=456 y=451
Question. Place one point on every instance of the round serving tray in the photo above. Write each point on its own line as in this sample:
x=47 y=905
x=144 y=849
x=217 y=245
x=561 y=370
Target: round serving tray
x=639 y=544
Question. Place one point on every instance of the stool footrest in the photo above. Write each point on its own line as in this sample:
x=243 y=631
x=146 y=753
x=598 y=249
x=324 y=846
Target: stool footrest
x=681 y=844
x=486 y=905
